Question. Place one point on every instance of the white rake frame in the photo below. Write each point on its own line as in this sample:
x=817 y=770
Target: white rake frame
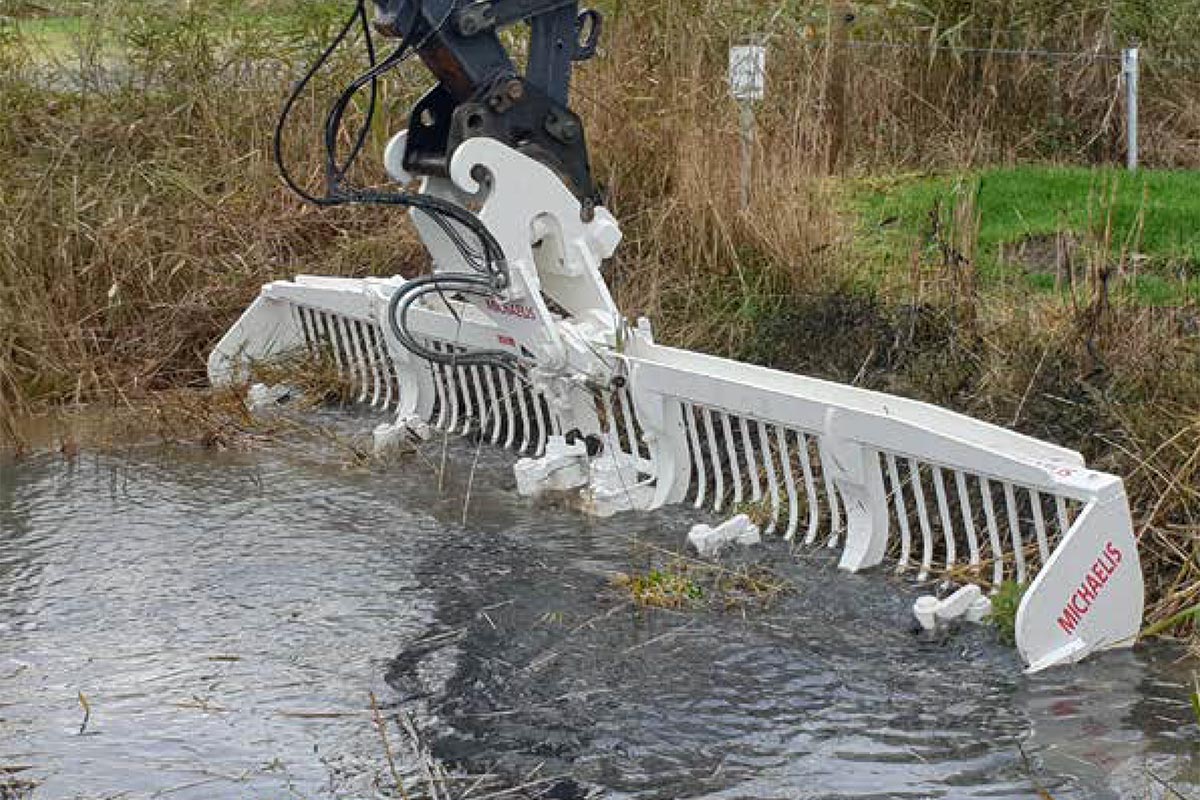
x=830 y=464
x=825 y=462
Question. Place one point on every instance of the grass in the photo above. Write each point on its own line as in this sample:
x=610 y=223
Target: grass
x=666 y=587
x=50 y=37
x=681 y=583
x=1004 y=610
x=1034 y=220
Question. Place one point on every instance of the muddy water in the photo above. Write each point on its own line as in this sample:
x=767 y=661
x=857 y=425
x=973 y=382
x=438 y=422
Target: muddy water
x=227 y=617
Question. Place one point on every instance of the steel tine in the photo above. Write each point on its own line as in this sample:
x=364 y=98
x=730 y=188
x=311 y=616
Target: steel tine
x=1039 y=525
x=1060 y=508
x=443 y=392
x=698 y=471
x=452 y=390
x=751 y=465
x=715 y=454
x=391 y=381
x=901 y=512
x=469 y=413
x=356 y=335
x=772 y=481
x=627 y=414
x=939 y=488
x=310 y=337
x=789 y=481
x=343 y=337
x=989 y=512
x=1014 y=525
x=835 y=509
x=733 y=459
x=510 y=401
x=526 y=427
x=331 y=343
x=968 y=516
x=540 y=412
x=914 y=478
x=377 y=374
x=810 y=490
x=489 y=380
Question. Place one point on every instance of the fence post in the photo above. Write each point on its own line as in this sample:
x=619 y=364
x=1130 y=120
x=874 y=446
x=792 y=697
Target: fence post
x=746 y=125
x=747 y=84
x=1129 y=71
x=840 y=17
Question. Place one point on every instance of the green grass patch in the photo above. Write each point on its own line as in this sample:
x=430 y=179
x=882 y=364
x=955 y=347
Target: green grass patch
x=49 y=37
x=686 y=583
x=1195 y=697
x=1147 y=221
x=665 y=587
x=1004 y=610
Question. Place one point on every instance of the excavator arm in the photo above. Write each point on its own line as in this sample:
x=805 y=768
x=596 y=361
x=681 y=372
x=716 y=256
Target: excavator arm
x=480 y=91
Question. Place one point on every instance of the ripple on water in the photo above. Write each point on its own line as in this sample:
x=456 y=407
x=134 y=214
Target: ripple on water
x=227 y=616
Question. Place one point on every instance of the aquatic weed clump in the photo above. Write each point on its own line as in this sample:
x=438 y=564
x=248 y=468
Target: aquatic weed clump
x=1005 y=603
x=680 y=582
x=661 y=587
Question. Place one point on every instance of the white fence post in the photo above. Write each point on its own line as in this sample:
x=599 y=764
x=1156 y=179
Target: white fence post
x=1129 y=62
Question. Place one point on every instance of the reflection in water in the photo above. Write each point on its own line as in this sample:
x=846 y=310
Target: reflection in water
x=228 y=615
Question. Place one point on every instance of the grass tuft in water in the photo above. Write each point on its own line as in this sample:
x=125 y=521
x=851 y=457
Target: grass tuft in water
x=1004 y=610
x=688 y=583
x=665 y=587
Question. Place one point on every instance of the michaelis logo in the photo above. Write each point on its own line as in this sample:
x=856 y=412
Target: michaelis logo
x=510 y=309
x=1084 y=598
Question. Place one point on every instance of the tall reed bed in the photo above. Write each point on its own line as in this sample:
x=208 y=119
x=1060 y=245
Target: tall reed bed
x=142 y=209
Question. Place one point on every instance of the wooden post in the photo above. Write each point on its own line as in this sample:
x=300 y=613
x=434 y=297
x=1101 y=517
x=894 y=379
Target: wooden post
x=840 y=17
x=747 y=136
x=747 y=84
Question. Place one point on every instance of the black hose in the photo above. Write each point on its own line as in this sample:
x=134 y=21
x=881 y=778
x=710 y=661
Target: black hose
x=490 y=276
x=461 y=283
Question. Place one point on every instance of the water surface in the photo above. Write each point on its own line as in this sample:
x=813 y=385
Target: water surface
x=228 y=615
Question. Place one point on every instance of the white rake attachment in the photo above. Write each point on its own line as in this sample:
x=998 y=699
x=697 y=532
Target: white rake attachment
x=595 y=406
